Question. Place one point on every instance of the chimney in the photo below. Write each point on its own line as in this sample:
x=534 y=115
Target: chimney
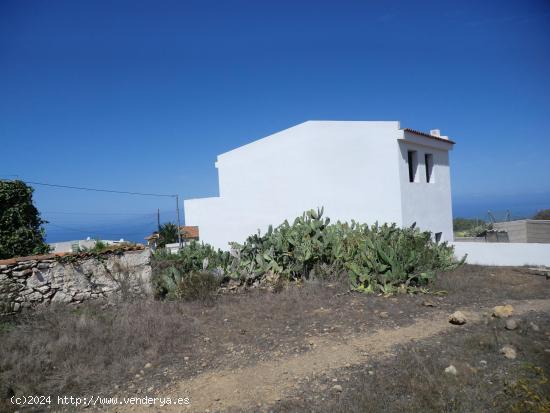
x=435 y=132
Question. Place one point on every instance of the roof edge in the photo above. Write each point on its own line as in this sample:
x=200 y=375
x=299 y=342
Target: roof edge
x=427 y=135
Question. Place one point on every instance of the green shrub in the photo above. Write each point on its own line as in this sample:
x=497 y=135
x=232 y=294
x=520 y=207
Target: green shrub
x=377 y=258
x=21 y=227
x=193 y=259
x=168 y=234
x=195 y=285
x=542 y=214
x=466 y=227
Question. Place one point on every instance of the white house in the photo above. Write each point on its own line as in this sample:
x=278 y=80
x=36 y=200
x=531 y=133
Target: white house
x=366 y=171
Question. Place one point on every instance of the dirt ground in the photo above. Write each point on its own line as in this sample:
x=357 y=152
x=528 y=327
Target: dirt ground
x=309 y=348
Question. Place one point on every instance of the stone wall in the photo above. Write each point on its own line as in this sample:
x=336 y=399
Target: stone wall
x=73 y=278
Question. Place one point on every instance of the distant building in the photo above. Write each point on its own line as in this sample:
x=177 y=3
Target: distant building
x=188 y=234
x=152 y=240
x=358 y=170
x=525 y=230
x=79 y=245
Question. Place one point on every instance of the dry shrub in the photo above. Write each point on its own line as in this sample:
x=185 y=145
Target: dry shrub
x=198 y=285
x=71 y=350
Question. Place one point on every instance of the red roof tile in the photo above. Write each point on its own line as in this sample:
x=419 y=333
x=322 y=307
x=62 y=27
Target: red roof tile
x=190 y=232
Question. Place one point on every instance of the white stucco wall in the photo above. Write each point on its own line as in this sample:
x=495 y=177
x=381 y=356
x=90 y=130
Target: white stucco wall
x=427 y=204
x=503 y=253
x=352 y=169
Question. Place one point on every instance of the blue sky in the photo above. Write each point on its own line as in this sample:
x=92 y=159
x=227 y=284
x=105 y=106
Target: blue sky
x=142 y=95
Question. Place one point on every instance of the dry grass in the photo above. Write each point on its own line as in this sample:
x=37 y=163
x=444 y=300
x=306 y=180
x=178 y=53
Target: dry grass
x=93 y=348
x=71 y=350
x=67 y=350
x=415 y=381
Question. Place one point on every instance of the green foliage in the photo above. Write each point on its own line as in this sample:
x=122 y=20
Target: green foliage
x=530 y=391
x=101 y=247
x=168 y=234
x=542 y=214
x=376 y=258
x=21 y=231
x=464 y=224
x=195 y=258
x=172 y=283
x=98 y=247
x=467 y=227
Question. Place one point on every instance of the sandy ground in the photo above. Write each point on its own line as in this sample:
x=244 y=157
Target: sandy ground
x=267 y=382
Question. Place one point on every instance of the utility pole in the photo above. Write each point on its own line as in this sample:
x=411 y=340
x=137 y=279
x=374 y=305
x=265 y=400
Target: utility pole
x=179 y=224
x=158 y=219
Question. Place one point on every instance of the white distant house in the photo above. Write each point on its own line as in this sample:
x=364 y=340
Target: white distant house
x=360 y=170
x=79 y=245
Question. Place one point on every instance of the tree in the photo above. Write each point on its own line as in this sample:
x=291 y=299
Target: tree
x=21 y=231
x=542 y=214
x=464 y=224
x=168 y=234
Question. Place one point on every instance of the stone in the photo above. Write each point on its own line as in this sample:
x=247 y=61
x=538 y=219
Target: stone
x=503 y=311
x=429 y=303
x=147 y=366
x=35 y=296
x=337 y=388
x=22 y=273
x=451 y=370
x=511 y=324
x=509 y=352
x=534 y=327
x=61 y=297
x=82 y=296
x=23 y=266
x=37 y=279
x=233 y=285
x=26 y=292
x=383 y=314
x=43 y=289
x=457 y=318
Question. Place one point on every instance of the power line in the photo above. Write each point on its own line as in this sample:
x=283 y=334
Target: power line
x=144 y=214
x=108 y=232
x=100 y=190
x=175 y=196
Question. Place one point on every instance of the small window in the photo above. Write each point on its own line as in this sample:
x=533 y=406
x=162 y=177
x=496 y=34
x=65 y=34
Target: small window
x=429 y=161
x=438 y=236
x=413 y=165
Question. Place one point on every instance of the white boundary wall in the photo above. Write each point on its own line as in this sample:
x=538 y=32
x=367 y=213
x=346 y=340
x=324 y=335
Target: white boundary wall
x=501 y=253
